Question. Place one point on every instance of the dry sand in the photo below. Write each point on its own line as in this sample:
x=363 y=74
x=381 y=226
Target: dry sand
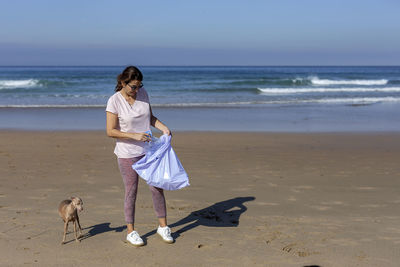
x=254 y=200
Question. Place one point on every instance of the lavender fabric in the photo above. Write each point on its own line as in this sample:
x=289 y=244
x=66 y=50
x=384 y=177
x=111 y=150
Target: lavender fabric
x=160 y=167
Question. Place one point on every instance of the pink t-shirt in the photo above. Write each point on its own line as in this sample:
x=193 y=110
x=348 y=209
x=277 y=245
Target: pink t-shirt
x=133 y=119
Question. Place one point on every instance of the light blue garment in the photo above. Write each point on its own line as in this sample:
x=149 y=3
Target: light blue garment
x=160 y=167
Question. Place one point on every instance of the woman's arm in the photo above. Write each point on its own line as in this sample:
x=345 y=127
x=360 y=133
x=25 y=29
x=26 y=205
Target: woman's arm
x=112 y=131
x=158 y=124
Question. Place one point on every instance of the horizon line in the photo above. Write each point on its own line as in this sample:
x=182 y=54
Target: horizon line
x=123 y=65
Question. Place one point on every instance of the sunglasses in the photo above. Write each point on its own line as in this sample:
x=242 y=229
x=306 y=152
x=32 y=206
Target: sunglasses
x=134 y=87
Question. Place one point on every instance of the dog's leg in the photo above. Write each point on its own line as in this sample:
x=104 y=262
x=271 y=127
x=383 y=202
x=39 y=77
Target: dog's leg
x=80 y=228
x=75 y=232
x=65 y=232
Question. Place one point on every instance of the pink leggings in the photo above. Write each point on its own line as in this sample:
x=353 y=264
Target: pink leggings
x=130 y=178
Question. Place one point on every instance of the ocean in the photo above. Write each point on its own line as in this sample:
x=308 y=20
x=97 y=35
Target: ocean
x=211 y=98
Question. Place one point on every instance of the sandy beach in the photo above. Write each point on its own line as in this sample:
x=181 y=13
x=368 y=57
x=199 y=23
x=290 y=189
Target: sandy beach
x=256 y=199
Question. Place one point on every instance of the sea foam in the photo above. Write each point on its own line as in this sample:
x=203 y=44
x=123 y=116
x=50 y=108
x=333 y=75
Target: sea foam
x=11 y=84
x=317 y=81
x=284 y=91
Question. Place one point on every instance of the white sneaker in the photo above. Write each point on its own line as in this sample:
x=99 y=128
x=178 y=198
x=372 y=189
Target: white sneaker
x=165 y=233
x=134 y=238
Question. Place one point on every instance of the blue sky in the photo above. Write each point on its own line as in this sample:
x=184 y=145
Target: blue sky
x=285 y=32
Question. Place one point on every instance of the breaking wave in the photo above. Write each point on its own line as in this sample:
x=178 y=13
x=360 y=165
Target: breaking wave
x=11 y=84
x=283 y=91
x=317 y=81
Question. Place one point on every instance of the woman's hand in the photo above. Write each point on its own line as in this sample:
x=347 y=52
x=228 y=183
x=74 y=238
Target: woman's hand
x=144 y=137
x=167 y=131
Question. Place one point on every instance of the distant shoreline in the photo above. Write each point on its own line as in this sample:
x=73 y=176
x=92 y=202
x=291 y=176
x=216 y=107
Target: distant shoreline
x=372 y=118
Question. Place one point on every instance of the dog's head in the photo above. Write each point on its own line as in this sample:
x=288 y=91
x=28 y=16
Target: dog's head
x=77 y=202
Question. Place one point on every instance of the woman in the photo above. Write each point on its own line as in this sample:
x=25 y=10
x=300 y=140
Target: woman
x=129 y=117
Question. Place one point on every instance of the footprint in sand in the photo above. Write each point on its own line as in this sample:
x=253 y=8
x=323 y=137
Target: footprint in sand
x=289 y=247
x=306 y=253
x=301 y=253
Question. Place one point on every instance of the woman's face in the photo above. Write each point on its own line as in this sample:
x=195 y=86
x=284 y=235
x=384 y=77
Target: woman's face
x=132 y=87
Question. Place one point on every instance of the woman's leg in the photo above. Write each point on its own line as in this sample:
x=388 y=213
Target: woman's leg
x=130 y=179
x=159 y=204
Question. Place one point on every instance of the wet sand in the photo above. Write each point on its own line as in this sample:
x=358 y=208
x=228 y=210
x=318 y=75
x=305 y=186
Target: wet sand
x=256 y=199
x=289 y=119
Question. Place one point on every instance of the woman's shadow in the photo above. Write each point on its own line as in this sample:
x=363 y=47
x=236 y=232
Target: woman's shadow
x=99 y=229
x=221 y=214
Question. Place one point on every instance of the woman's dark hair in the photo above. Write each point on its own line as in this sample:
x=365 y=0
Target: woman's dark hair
x=129 y=74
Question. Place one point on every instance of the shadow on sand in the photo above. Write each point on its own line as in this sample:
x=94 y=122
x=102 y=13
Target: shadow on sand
x=101 y=228
x=221 y=214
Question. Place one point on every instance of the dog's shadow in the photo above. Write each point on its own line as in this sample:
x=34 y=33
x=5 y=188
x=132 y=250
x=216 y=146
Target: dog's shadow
x=221 y=214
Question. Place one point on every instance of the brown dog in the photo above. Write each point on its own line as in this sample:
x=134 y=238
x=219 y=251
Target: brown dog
x=68 y=210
